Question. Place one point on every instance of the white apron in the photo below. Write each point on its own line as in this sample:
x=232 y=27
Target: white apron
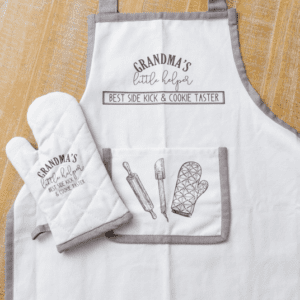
x=209 y=173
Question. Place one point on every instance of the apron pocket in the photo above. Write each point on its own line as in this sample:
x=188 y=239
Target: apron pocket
x=176 y=196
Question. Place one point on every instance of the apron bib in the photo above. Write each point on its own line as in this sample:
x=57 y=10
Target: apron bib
x=209 y=173
x=150 y=90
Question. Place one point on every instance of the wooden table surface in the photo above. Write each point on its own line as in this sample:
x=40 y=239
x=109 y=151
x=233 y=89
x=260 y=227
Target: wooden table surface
x=43 y=47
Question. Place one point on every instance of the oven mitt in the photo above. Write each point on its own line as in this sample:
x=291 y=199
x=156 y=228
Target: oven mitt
x=188 y=189
x=66 y=175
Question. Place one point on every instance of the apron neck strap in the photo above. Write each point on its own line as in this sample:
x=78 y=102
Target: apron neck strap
x=108 y=6
x=111 y=6
x=217 y=5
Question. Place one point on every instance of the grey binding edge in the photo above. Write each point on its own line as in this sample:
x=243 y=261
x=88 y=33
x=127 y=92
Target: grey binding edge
x=9 y=255
x=95 y=233
x=182 y=239
x=235 y=43
x=90 y=48
x=118 y=17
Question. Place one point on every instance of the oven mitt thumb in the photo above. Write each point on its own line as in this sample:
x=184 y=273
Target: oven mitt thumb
x=66 y=175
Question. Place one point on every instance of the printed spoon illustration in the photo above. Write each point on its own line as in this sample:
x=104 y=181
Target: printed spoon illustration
x=139 y=190
x=160 y=175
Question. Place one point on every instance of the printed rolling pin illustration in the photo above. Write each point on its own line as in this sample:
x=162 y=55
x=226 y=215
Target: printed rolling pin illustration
x=160 y=175
x=188 y=189
x=139 y=190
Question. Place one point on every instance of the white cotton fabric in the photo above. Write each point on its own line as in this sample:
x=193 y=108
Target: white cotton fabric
x=66 y=175
x=206 y=216
x=260 y=260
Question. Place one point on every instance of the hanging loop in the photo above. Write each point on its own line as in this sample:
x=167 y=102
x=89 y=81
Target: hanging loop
x=217 y=5
x=108 y=6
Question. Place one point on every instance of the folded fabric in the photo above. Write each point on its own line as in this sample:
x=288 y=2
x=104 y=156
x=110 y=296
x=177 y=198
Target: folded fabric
x=66 y=175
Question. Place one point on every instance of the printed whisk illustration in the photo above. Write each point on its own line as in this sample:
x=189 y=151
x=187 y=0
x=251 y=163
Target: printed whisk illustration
x=160 y=175
x=188 y=189
x=139 y=190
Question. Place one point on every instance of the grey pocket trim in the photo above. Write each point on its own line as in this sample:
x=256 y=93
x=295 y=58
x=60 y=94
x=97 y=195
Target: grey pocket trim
x=95 y=233
x=179 y=239
x=39 y=230
x=233 y=27
x=117 y=17
x=225 y=192
x=9 y=255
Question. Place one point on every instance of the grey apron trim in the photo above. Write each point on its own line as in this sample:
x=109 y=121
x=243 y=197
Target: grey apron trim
x=95 y=233
x=90 y=48
x=232 y=20
x=108 y=6
x=39 y=230
x=225 y=192
x=217 y=5
x=189 y=240
x=117 y=17
x=9 y=255
x=111 y=6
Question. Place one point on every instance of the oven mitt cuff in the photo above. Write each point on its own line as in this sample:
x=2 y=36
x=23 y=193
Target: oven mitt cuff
x=66 y=175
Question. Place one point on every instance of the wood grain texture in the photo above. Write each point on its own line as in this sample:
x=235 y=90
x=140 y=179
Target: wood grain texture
x=43 y=47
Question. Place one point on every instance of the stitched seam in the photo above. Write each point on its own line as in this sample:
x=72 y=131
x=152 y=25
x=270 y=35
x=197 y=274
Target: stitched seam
x=96 y=228
x=80 y=176
x=22 y=148
x=80 y=219
x=43 y=192
x=106 y=178
x=98 y=220
x=71 y=201
x=66 y=139
x=84 y=210
x=59 y=225
x=112 y=210
x=67 y=199
x=36 y=124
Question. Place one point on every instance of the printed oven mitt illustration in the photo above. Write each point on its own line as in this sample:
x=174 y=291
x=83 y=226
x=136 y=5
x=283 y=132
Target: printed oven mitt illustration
x=66 y=175
x=188 y=189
